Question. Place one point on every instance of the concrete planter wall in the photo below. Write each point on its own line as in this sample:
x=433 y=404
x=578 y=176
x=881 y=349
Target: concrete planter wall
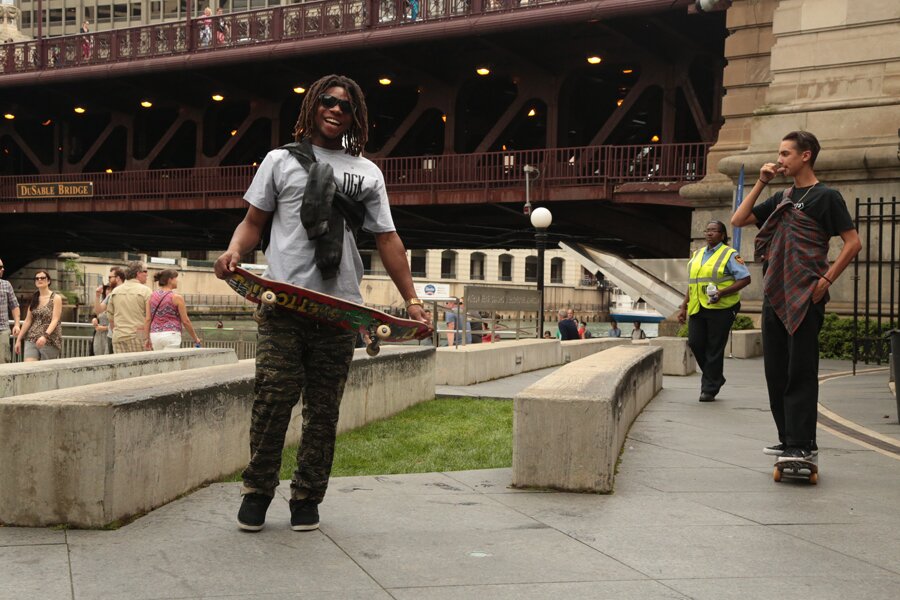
x=93 y=454
x=17 y=379
x=745 y=343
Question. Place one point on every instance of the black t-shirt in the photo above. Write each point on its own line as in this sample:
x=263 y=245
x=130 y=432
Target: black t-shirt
x=825 y=205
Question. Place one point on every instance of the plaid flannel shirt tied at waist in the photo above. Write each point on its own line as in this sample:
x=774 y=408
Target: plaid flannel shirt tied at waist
x=796 y=252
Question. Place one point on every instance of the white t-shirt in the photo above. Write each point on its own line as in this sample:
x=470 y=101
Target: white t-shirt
x=278 y=187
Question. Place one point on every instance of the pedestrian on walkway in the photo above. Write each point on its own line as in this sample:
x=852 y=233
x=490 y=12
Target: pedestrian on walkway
x=796 y=226
x=127 y=308
x=101 y=300
x=100 y=343
x=42 y=331
x=718 y=267
x=9 y=306
x=457 y=322
x=637 y=333
x=167 y=314
x=317 y=193
x=568 y=328
x=614 y=330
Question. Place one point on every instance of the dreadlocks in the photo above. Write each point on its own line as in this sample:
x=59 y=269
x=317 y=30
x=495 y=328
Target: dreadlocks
x=358 y=133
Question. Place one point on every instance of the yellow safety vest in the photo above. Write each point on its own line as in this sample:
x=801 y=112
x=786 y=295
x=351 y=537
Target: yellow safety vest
x=701 y=274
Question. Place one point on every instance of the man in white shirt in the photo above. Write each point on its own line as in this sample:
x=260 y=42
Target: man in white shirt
x=316 y=193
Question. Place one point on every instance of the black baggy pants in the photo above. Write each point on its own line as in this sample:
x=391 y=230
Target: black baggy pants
x=708 y=331
x=296 y=360
x=792 y=374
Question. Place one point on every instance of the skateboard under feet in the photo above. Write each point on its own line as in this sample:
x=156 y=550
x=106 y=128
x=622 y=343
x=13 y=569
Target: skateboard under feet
x=343 y=314
x=798 y=469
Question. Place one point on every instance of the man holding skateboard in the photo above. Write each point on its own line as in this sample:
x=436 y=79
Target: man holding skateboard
x=795 y=228
x=314 y=195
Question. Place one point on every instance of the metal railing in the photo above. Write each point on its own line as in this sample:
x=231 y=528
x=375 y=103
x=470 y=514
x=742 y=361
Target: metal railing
x=77 y=340
x=243 y=349
x=574 y=166
x=309 y=20
x=876 y=276
x=193 y=301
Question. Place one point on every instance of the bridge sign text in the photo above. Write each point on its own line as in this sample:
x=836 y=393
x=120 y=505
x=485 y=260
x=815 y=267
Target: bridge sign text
x=69 y=189
x=494 y=299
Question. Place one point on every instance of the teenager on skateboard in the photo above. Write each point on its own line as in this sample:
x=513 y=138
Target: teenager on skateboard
x=795 y=228
x=315 y=195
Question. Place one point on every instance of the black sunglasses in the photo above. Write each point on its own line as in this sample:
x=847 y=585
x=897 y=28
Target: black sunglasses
x=329 y=101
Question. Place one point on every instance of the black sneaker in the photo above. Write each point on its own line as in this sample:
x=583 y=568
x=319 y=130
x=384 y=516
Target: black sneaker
x=304 y=515
x=776 y=450
x=252 y=515
x=790 y=454
x=704 y=397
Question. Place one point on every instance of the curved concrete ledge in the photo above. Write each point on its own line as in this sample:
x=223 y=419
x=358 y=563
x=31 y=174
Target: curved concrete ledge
x=468 y=365
x=577 y=349
x=28 y=378
x=93 y=454
x=569 y=427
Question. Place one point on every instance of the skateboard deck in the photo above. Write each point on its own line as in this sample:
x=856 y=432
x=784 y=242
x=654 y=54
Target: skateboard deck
x=798 y=469
x=316 y=306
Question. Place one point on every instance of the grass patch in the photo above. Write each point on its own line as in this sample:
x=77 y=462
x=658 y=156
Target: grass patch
x=439 y=435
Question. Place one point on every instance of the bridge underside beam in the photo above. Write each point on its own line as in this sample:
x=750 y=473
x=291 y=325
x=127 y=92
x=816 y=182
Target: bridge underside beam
x=541 y=93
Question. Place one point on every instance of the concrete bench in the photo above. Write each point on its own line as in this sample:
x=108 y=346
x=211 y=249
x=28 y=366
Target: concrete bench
x=677 y=356
x=474 y=363
x=745 y=343
x=94 y=454
x=569 y=427
x=577 y=349
x=28 y=378
x=471 y=364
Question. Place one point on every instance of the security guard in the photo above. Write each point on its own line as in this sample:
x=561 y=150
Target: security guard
x=711 y=316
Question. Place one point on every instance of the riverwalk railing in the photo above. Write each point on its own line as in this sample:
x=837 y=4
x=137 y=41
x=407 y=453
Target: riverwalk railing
x=559 y=167
x=313 y=19
x=78 y=341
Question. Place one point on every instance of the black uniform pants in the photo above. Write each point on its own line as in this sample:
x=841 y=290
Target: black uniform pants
x=792 y=374
x=708 y=331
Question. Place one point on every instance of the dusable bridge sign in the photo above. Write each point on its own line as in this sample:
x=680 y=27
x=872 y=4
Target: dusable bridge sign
x=68 y=189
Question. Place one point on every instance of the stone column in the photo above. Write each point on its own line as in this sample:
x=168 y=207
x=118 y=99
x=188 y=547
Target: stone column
x=746 y=79
x=831 y=67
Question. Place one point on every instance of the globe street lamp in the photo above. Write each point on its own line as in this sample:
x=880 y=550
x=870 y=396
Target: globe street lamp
x=541 y=219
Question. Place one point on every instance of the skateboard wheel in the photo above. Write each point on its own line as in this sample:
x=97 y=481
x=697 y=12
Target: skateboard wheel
x=814 y=478
x=372 y=350
x=268 y=297
x=776 y=474
x=383 y=332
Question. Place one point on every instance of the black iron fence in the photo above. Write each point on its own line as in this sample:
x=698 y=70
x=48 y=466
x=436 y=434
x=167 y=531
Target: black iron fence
x=876 y=274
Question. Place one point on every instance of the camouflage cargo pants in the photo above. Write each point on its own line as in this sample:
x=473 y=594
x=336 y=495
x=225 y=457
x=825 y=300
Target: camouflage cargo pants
x=296 y=359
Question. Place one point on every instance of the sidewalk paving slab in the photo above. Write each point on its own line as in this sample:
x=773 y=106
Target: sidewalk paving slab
x=695 y=514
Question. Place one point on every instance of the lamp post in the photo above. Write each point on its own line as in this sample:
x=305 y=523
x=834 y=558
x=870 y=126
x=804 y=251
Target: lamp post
x=541 y=219
x=530 y=171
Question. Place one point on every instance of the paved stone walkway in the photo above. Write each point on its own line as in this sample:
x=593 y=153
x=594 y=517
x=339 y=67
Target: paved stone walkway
x=695 y=514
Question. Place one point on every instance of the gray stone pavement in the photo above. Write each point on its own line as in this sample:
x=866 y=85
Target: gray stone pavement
x=695 y=514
